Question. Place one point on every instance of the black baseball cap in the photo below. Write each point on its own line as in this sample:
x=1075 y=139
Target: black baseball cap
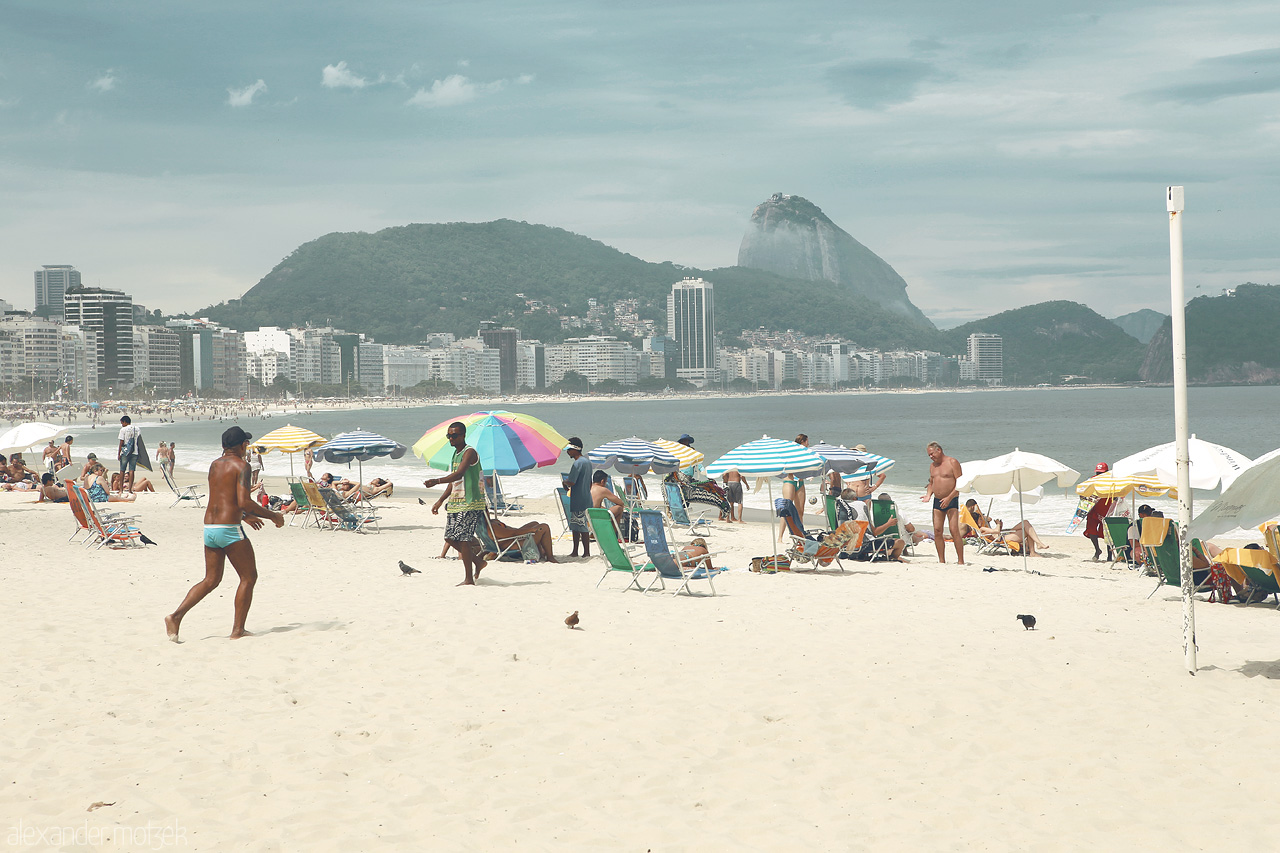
x=234 y=437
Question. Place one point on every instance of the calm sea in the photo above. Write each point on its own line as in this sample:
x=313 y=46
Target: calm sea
x=1079 y=427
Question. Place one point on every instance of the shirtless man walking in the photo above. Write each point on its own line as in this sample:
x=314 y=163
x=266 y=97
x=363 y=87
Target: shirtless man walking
x=224 y=537
x=943 y=473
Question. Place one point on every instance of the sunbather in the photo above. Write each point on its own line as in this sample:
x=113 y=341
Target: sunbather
x=695 y=554
x=97 y=486
x=602 y=496
x=50 y=490
x=504 y=535
x=1020 y=535
x=377 y=487
x=140 y=483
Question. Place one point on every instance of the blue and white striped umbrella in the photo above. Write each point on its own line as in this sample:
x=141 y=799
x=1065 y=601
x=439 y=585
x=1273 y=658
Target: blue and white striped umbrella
x=358 y=445
x=872 y=465
x=767 y=457
x=634 y=456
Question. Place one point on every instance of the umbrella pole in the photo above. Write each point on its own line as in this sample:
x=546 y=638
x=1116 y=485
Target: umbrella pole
x=773 y=526
x=1021 y=519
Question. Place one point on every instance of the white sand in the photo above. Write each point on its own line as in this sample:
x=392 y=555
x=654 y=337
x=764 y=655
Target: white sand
x=891 y=708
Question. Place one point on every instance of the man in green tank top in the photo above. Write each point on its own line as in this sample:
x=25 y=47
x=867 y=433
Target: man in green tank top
x=465 y=510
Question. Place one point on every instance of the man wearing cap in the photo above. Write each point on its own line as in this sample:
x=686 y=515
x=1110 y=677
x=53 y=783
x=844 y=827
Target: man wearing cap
x=465 y=510
x=578 y=484
x=1093 y=519
x=224 y=538
x=89 y=462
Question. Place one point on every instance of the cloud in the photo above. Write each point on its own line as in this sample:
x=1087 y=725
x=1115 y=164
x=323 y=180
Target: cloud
x=524 y=79
x=1253 y=72
x=104 y=83
x=244 y=97
x=878 y=83
x=453 y=90
x=341 y=77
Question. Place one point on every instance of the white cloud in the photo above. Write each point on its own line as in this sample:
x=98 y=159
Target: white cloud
x=104 y=83
x=524 y=79
x=341 y=77
x=453 y=90
x=244 y=97
x=464 y=63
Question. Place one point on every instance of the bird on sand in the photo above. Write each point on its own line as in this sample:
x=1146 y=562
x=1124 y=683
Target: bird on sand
x=572 y=620
x=408 y=570
x=1028 y=622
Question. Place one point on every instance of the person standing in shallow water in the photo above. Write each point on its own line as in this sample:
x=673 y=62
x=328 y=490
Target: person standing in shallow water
x=224 y=538
x=944 y=471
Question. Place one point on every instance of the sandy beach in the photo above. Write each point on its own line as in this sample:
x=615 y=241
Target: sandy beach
x=893 y=707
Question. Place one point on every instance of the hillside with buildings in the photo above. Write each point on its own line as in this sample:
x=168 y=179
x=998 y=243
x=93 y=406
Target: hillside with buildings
x=1231 y=339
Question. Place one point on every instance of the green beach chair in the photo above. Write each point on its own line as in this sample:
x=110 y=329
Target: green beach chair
x=829 y=503
x=615 y=555
x=1163 y=556
x=1115 y=532
x=882 y=511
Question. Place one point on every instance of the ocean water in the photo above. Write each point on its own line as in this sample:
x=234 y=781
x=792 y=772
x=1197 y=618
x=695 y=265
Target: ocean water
x=1079 y=427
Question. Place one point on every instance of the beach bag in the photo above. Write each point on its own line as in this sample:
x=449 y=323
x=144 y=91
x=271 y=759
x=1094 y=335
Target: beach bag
x=776 y=563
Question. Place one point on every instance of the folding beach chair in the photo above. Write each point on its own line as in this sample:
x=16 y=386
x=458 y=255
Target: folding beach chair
x=1159 y=539
x=666 y=561
x=1115 y=532
x=520 y=548
x=345 y=516
x=303 y=502
x=882 y=511
x=562 y=501
x=809 y=548
x=496 y=497
x=616 y=556
x=833 y=517
x=118 y=533
x=77 y=511
x=186 y=493
x=987 y=543
x=678 y=511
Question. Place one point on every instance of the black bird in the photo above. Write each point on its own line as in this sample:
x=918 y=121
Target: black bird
x=572 y=620
x=143 y=537
x=1028 y=622
x=410 y=570
x=421 y=502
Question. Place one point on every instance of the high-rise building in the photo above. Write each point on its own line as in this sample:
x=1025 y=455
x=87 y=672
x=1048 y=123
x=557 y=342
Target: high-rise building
x=108 y=314
x=157 y=358
x=691 y=321
x=986 y=352
x=52 y=284
x=504 y=340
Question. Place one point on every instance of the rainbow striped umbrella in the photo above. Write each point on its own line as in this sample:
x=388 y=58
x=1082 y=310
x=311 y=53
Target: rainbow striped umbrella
x=687 y=455
x=506 y=442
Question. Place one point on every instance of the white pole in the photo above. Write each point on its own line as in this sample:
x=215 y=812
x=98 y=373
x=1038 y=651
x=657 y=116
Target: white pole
x=1175 y=206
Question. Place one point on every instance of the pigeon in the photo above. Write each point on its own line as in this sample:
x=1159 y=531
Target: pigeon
x=410 y=570
x=1028 y=622
x=421 y=502
x=572 y=620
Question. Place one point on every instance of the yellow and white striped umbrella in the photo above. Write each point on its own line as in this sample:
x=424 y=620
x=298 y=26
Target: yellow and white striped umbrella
x=1111 y=485
x=687 y=455
x=288 y=439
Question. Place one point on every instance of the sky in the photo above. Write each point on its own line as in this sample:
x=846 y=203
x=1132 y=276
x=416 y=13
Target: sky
x=996 y=154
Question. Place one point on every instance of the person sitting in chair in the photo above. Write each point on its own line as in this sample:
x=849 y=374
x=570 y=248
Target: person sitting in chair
x=504 y=535
x=873 y=541
x=1020 y=535
x=601 y=495
x=695 y=554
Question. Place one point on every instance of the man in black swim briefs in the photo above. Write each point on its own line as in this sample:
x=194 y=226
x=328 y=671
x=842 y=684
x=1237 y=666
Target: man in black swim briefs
x=944 y=471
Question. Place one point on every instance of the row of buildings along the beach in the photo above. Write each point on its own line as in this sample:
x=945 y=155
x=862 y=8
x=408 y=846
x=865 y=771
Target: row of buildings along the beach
x=84 y=340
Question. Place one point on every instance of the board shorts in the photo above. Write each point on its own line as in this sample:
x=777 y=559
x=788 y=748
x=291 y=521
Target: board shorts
x=954 y=503
x=733 y=491
x=128 y=463
x=578 y=522
x=461 y=526
x=222 y=535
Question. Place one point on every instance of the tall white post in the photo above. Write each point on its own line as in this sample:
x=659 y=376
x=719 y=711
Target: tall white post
x=1175 y=205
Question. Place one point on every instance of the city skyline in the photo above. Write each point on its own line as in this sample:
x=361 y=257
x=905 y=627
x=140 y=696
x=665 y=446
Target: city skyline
x=995 y=156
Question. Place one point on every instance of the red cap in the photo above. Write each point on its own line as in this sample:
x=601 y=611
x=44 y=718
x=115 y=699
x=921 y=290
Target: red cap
x=1101 y=468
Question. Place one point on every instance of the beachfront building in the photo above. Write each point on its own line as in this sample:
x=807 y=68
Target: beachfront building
x=986 y=352
x=109 y=315
x=504 y=340
x=52 y=283
x=370 y=367
x=691 y=322
x=596 y=357
x=32 y=351
x=157 y=360
x=531 y=365
x=317 y=357
x=467 y=364
x=211 y=358
x=269 y=353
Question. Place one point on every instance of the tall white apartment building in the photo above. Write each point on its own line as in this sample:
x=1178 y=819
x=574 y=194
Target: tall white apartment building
x=157 y=358
x=691 y=321
x=109 y=315
x=987 y=354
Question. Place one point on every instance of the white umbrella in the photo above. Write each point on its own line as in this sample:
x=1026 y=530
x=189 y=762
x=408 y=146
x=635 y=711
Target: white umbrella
x=23 y=437
x=1018 y=473
x=1211 y=464
x=1252 y=499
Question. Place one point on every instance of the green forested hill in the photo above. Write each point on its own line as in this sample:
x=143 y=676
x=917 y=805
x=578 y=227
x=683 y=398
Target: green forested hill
x=1045 y=342
x=1230 y=339
x=401 y=283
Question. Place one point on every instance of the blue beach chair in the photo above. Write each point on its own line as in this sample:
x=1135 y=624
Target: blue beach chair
x=667 y=561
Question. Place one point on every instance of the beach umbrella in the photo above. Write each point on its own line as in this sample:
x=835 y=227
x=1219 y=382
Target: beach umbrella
x=23 y=437
x=289 y=439
x=1111 y=485
x=634 y=456
x=768 y=457
x=358 y=445
x=1016 y=473
x=857 y=464
x=687 y=455
x=1252 y=498
x=1211 y=464
x=498 y=445
x=538 y=438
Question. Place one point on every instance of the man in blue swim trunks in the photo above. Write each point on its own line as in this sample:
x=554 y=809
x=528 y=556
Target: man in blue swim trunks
x=944 y=471
x=224 y=537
